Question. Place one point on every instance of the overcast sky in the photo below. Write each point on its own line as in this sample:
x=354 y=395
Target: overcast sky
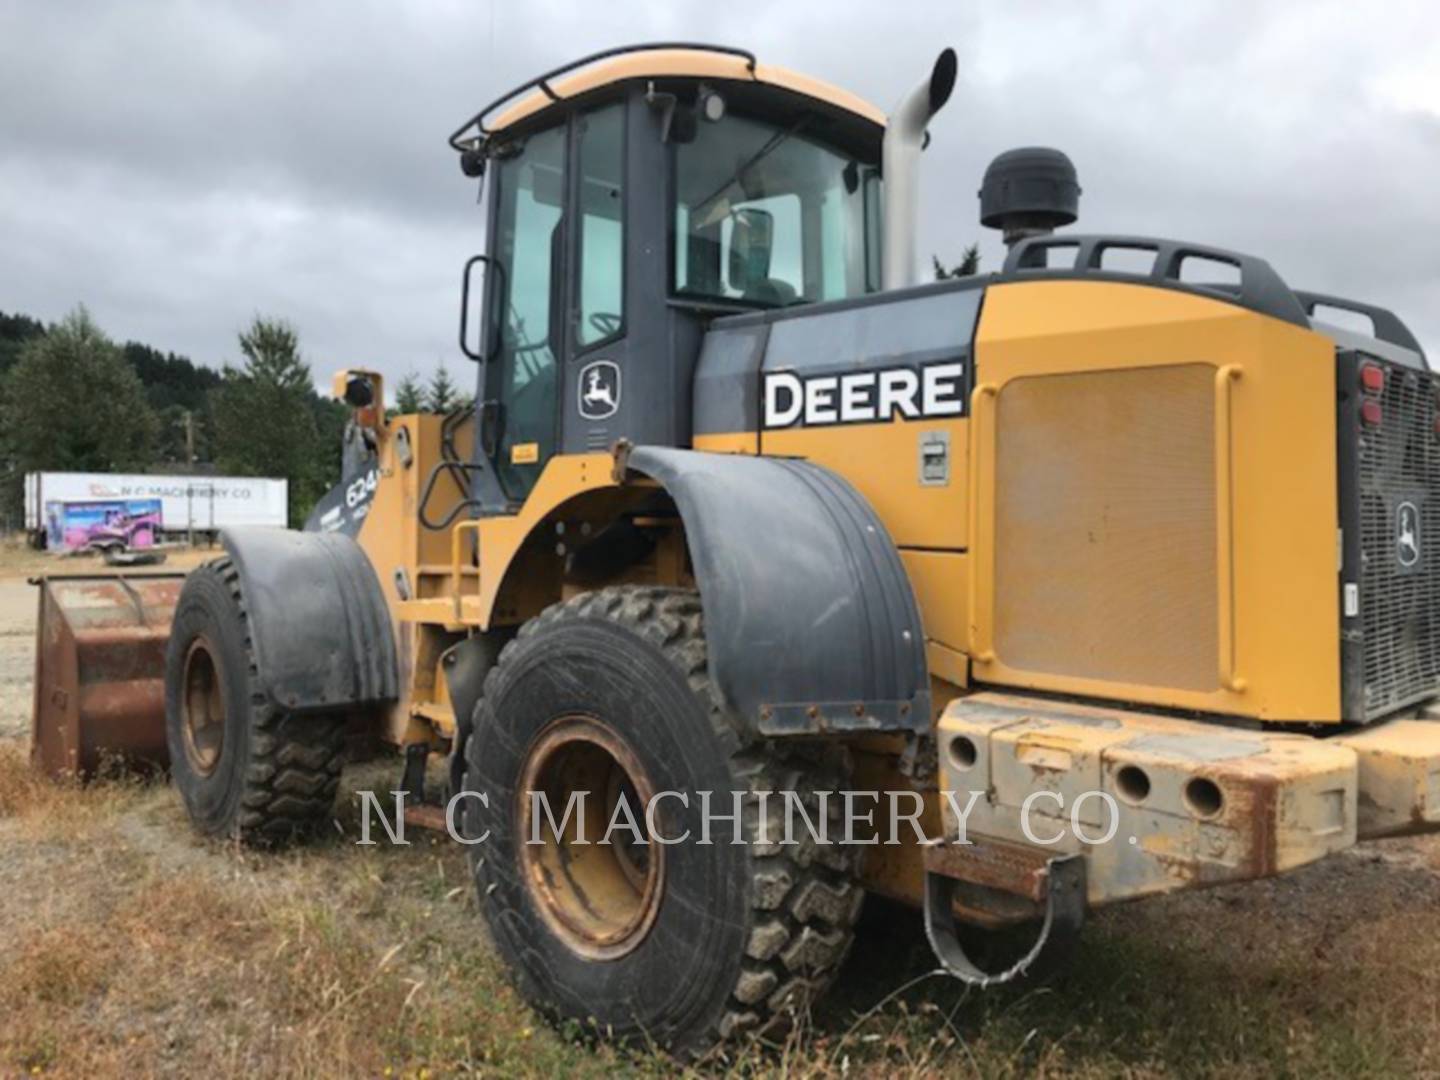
x=178 y=167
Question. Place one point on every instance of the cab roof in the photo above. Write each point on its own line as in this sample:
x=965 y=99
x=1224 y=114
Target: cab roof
x=655 y=61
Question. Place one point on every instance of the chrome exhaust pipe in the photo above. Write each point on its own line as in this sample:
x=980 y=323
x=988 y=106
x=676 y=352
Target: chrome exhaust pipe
x=904 y=139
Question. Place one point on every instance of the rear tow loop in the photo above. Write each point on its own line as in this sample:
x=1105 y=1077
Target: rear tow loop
x=1061 y=882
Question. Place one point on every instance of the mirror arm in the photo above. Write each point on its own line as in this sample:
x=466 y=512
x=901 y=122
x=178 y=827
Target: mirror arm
x=665 y=105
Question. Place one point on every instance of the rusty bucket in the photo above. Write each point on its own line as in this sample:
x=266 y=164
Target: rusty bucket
x=100 y=671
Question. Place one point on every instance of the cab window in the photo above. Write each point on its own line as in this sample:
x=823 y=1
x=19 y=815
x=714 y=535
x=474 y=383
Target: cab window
x=766 y=217
x=529 y=245
x=602 y=266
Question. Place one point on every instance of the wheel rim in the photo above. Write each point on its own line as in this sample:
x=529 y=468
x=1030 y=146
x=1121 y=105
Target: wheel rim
x=600 y=899
x=203 y=706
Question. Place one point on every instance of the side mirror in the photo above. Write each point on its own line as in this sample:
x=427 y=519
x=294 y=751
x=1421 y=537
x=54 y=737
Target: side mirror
x=364 y=392
x=359 y=393
x=752 y=234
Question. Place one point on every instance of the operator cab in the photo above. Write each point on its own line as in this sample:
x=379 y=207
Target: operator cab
x=632 y=197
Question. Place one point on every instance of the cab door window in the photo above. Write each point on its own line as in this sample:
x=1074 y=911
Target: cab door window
x=530 y=247
x=601 y=144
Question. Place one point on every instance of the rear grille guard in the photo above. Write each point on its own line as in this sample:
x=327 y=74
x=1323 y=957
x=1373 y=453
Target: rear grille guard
x=1397 y=465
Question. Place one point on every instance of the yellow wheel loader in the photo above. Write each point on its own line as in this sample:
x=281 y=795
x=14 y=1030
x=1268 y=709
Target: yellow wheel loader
x=1112 y=573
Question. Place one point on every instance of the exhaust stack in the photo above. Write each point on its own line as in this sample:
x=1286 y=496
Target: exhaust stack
x=904 y=139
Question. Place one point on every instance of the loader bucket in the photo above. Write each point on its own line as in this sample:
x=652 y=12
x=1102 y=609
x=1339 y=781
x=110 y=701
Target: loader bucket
x=100 y=671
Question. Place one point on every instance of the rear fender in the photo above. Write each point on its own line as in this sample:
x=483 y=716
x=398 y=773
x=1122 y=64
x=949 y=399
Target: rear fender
x=318 y=621
x=810 y=621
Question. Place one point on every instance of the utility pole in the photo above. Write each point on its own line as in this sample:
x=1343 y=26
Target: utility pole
x=190 y=482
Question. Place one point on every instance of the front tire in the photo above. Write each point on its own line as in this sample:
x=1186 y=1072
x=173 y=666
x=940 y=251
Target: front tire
x=245 y=769
x=686 y=945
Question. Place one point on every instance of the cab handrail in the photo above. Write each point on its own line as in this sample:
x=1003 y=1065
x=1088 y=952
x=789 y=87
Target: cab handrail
x=542 y=82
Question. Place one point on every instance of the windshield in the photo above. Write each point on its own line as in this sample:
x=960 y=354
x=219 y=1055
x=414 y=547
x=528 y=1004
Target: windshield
x=767 y=217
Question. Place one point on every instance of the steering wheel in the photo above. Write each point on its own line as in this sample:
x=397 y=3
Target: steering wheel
x=605 y=323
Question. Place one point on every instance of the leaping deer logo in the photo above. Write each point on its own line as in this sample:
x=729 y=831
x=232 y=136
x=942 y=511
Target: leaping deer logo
x=1407 y=534
x=599 y=390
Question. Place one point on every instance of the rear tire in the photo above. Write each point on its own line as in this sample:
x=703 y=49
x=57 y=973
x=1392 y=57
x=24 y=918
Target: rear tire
x=689 y=945
x=246 y=769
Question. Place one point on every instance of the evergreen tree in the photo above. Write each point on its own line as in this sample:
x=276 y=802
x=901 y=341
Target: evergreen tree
x=441 y=393
x=177 y=390
x=265 y=416
x=15 y=331
x=170 y=379
x=70 y=402
x=968 y=266
x=331 y=416
x=409 y=397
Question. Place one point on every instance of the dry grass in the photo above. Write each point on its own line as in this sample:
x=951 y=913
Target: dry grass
x=130 y=947
x=42 y=806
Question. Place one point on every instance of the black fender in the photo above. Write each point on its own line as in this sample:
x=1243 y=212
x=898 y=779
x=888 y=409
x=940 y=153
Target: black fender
x=318 y=621
x=810 y=622
x=466 y=666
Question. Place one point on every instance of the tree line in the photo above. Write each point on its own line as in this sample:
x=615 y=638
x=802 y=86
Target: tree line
x=73 y=400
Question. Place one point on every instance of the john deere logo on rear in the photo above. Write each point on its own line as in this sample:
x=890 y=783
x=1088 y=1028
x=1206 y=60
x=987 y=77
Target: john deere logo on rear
x=1407 y=534
x=873 y=395
x=599 y=390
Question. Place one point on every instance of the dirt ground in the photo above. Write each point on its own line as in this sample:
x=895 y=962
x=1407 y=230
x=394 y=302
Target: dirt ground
x=17 y=656
x=128 y=946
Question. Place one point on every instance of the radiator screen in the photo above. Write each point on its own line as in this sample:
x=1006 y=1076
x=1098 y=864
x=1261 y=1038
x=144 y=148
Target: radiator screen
x=1105 y=526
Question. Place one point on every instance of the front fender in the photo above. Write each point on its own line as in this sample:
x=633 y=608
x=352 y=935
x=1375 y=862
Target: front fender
x=318 y=621
x=811 y=624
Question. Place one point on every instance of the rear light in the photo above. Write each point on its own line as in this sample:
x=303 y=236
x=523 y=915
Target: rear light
x=1370 y=413
x=1372 y=378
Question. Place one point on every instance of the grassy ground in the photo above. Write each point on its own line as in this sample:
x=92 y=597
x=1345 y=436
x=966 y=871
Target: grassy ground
x=129 y=946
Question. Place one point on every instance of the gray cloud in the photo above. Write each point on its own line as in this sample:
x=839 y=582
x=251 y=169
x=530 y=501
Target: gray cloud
x=180 y=166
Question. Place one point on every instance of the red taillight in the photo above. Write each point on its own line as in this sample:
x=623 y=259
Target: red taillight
x=1370 y=413
x=1372 y=377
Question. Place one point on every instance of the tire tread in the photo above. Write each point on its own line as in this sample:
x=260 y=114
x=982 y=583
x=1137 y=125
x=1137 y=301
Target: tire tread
x=805 y=901
x=295 y=763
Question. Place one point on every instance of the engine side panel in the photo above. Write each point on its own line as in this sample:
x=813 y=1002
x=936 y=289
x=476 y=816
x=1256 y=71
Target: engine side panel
x=875 y=388
x=1157 y=501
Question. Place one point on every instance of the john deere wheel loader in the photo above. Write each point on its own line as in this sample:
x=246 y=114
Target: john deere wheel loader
x=1119 y=557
